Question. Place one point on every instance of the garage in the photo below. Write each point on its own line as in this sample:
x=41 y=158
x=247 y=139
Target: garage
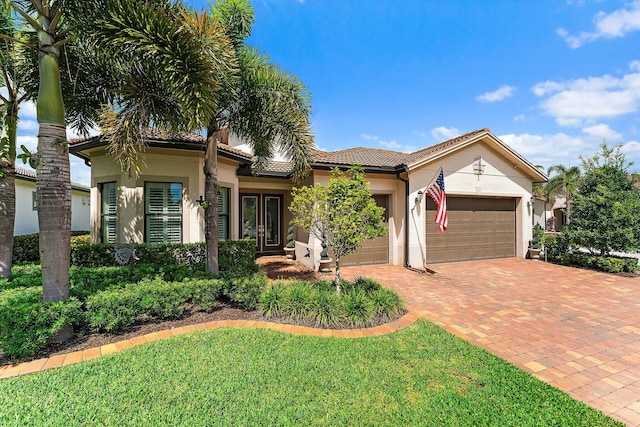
x=375 y=251
x=479 y=228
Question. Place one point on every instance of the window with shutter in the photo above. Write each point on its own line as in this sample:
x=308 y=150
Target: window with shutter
x=223 y=213
x=163 y=212
x=109 y=206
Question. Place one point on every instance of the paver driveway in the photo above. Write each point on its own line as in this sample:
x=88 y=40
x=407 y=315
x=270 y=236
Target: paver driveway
x=577 y=330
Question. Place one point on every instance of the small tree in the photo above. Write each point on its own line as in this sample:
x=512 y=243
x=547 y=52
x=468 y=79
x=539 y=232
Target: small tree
x=343 y=214
x=606 y=214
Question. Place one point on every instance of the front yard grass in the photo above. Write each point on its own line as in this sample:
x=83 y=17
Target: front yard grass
x=419 y=376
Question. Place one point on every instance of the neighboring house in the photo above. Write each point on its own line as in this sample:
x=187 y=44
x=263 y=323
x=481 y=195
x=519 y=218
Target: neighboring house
x=26 y=207
x=489 y=187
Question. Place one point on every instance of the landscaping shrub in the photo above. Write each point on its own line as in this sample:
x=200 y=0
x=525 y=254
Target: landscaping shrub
x=245 y=291
x=361 y=303
x=272 y=300
x=235 y=257
x=297 y=300
x=386 y=303
x=26 y=248
x=597 y=262
x=86 y=281
x=23 y=276
x=558 y=251
x=112 y=310
x=325 y=308
x=358 y=309
x=27 y=324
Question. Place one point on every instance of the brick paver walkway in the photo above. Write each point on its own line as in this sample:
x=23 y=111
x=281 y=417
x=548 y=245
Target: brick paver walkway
x=577 y=330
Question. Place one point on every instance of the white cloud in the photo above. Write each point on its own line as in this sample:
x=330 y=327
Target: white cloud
x=389 y=145
x=443 y=133
x=503 y=92
x=603 y=132
x=607 y=26
x=631 y=147
x=519 y=118
x=591 y=98
x=561 y=147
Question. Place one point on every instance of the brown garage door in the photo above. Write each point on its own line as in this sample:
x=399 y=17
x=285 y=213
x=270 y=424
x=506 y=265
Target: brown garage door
x=374 y=251
x=479 y=228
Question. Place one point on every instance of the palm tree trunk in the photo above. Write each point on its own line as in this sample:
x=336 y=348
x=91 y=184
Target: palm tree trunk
x=211 y=196
x=8 y=191
x=53 y=182
x=7 y=215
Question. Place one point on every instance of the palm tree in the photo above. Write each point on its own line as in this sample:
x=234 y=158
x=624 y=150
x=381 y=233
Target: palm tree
x=9 y=63
x=148 y=34
x=263 y=104
x=565 y=181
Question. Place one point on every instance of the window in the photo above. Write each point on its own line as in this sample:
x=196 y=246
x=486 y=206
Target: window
x=34 y=201
x=163 y=212
x=109 y=204
x=223 y=213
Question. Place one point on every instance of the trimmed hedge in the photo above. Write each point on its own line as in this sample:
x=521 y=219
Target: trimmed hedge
x=559 y=252
x=236 y=257
x=27 y=324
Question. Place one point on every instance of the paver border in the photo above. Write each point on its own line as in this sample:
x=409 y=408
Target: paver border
x=44 y=364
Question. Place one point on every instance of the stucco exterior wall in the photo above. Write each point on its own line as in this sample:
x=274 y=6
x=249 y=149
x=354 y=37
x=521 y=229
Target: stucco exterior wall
x=27 y=218
x=384 y=184
x=161 y=165
x=499 y=179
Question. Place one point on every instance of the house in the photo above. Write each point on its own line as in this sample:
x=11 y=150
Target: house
x=26 y=208
x=489 y=188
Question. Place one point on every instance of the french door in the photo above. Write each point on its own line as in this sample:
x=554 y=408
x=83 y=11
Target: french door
x=261 y=220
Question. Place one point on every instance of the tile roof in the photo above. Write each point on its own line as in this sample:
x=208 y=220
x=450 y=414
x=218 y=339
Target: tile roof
x=361 y=155
x=386 y=158
x=152 y=134
x=30 y=175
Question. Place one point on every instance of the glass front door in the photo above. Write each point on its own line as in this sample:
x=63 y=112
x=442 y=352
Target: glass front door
x=262 y=220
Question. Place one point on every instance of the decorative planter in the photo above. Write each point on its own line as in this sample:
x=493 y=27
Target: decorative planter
x=290 y=253
x=534 y=253
x=325 y=265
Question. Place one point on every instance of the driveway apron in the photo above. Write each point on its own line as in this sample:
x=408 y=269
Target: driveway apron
x=577 y=330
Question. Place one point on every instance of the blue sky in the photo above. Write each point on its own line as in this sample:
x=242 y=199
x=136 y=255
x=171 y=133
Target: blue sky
x=551 y=78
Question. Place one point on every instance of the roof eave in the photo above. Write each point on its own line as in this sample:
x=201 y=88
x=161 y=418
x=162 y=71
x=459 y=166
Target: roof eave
x=530 y=169
x=369 y=169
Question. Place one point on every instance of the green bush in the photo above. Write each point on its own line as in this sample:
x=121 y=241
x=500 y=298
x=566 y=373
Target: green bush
x=27 y=324
x=358 y=309
x=597 y=262
x=297 y=300
x=318 y=303
x=325 y=308
x=235 y=257
x=112 y=310
x=23 y=276
x=26 y=248
x=245 y=291
x=272 y=300
x=386 y=303
x=86 y=281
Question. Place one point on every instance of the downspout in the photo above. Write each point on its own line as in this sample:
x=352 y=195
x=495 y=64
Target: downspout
x=406 y=214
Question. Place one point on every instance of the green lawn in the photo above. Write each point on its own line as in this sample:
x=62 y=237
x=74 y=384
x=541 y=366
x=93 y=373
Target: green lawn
x=419 y=376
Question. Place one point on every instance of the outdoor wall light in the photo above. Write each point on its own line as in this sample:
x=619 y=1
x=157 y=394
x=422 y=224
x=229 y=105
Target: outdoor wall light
x=419 y=198
x=478 y=166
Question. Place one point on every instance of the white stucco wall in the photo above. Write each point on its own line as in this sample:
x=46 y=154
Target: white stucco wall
x=500 y=179
x=27 y=218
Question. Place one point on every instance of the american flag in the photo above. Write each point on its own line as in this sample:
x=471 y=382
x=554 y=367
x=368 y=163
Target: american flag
x=436 y=192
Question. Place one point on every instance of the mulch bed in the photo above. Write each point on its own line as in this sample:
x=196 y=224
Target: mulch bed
x=276 y=268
